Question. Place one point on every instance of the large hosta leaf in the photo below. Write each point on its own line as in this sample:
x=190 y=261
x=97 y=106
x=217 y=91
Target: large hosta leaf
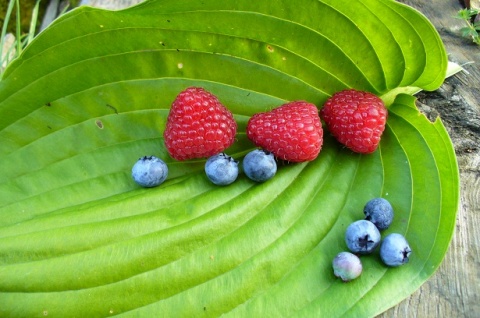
x=91 y=94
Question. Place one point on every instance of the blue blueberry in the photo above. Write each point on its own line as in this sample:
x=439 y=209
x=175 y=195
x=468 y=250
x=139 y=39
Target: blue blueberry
x=149 y=171
x=347 y=266
x=362 y=237
x=259 y=165
x=395 y=250
x=221 y=169
x=380 y=212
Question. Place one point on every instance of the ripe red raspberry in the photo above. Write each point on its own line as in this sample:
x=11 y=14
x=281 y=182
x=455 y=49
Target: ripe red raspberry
x=356 y=119
x=198 y=125
x=292 y=132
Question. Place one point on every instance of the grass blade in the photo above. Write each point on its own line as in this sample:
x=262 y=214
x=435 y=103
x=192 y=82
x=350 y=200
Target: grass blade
x=33 y=23
x=11 y=5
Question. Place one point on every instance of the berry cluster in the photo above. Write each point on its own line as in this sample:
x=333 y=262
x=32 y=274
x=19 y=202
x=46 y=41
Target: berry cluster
x=258 y=165
x=200 y=126
x=363 y=236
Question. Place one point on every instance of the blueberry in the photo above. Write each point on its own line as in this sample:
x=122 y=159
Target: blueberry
x=395 y=250
x=362 y=237
x=221 y=169
x=259 y=165
x=347 y=266
x=380 y=212
x=149 y=171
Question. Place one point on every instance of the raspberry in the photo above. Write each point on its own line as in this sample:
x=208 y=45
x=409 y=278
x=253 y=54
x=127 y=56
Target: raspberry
x=356 y=119
x=198 y=125
x=292 y=132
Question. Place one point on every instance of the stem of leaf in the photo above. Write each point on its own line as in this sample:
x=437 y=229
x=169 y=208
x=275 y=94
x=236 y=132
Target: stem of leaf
x=33 y=23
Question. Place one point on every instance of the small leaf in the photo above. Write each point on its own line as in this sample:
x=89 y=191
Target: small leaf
x=463 y=14
x=467 y=32
x=476 y=25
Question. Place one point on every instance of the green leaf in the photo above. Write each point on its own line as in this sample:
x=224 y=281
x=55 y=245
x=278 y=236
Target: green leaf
x=90 y=95
x=463 y=14
x=467 y=32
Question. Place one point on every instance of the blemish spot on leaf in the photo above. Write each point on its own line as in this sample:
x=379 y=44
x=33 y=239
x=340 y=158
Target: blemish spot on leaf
x=45 y=313
x=99 y=123
x=180 y=65
x=112 y=108
x=270 y=48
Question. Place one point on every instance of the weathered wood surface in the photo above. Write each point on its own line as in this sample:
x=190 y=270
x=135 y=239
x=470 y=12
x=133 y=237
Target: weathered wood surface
x=453 y=291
